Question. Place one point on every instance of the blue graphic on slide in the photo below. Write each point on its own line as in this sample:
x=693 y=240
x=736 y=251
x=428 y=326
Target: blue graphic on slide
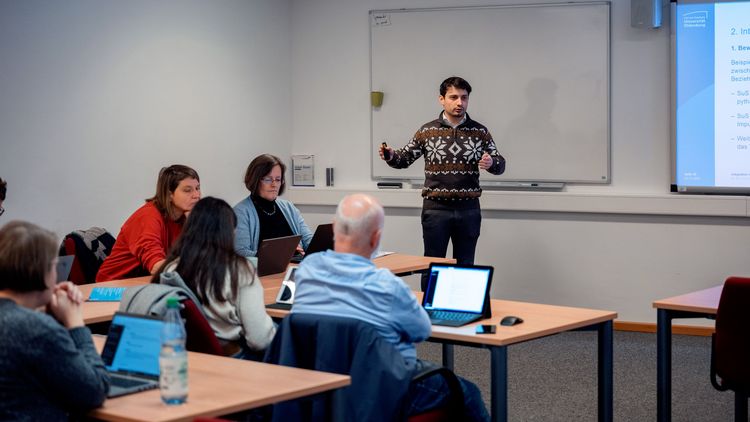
x=695 y=95
x=712 y=98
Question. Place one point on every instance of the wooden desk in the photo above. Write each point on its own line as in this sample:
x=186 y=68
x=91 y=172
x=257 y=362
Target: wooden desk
x=700 y=304
x=103 y=311
x=399 y=264
x=539 y=321
x=219 y=386
x=402 y=265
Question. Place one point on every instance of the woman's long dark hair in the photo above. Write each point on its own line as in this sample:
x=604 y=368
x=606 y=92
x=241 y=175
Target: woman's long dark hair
x=206 y=251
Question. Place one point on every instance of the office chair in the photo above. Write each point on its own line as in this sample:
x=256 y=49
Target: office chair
x=90 y=247
x=730 y=344
x=380 y=378
x=200 y=336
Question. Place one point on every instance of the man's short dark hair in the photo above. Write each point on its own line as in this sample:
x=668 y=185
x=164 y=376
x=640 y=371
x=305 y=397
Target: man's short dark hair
x=455 y=82
x=3 y=189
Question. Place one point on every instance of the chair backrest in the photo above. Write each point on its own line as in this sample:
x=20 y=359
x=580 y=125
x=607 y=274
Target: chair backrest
x=200 y=336
x=731 y=353
x=380 y=376
x=90 y=247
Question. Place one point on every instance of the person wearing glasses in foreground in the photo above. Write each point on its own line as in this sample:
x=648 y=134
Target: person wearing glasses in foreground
x=263 y=215
x=145 y=237
x=49 y=368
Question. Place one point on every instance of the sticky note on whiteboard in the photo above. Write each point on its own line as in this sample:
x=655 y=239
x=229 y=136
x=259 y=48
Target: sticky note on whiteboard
x=381 y=19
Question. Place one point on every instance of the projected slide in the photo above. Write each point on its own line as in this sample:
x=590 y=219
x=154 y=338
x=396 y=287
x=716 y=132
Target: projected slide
x=712 y=127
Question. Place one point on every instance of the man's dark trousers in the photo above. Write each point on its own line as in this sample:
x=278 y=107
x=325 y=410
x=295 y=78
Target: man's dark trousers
x=457 y=221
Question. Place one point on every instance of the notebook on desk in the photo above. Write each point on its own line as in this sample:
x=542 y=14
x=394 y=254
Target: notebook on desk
x=457 y=294
x=321 y=241
x=131 y=353
x=274 y=254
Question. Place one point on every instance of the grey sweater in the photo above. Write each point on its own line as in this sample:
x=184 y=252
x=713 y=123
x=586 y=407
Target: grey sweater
x=47 y=373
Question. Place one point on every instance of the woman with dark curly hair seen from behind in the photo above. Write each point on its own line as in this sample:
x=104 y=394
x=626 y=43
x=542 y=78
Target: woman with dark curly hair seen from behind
x=49 y=368
x=225 y=282
x=263 y=215
x=148 y=234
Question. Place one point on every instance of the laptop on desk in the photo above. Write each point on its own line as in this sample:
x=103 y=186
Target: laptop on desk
x=64 y=264
x=321 y=241
x=457 y=294
x=274 y=254
x=131 y=353
x=285 y=297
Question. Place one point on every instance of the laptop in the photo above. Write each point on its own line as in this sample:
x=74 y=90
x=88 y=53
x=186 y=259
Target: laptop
x=321 y=241
x=457 y=295
x=285 y=297
x=64 y=264
x=131 y=353
x=274 y=254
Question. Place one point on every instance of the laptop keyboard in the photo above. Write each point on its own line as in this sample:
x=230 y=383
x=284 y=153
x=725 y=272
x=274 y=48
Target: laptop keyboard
x=123 y=382
x=451 y=316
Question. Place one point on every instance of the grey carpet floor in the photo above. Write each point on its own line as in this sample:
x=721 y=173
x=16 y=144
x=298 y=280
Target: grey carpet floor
x=554 y=378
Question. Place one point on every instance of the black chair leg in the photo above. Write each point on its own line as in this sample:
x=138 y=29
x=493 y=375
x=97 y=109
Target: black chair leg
x=740 y=406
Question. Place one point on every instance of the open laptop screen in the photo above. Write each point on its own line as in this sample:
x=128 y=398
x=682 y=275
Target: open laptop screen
x=457 y=288
x=64 y=264
x=133 y=344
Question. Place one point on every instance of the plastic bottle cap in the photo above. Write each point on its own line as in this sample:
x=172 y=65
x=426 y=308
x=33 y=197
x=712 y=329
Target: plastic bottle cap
x=173 y=302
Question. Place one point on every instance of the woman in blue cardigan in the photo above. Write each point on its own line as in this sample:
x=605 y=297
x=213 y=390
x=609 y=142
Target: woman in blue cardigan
x=263 y=215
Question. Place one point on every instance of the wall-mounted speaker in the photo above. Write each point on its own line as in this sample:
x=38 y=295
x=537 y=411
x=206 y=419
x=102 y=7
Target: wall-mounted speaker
x=645 y=13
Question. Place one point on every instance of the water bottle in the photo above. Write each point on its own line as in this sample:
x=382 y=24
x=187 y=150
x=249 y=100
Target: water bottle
x=173 y=365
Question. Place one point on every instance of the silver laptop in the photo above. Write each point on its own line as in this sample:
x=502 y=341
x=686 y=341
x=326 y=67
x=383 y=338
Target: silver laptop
x=274 y=254
x=131 y=353
x=64 y=264
x=457 y=294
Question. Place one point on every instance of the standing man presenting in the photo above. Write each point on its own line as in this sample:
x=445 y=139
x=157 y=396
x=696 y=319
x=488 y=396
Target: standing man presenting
x=455 y=148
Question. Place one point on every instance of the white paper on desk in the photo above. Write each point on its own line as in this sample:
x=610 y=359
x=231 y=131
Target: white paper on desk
x=383 y=253
x=303 y=170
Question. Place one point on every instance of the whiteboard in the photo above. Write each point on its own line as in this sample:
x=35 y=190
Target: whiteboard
x=540 y=77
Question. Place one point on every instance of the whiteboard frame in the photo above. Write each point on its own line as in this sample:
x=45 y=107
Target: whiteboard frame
x=505 y=182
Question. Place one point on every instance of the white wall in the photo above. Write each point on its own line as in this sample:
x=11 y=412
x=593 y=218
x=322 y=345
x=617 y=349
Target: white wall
x=595 y=258
x=331 y=84
x=97 y=96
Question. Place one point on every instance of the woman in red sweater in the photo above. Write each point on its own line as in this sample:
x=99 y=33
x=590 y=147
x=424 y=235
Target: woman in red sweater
x=147 y=235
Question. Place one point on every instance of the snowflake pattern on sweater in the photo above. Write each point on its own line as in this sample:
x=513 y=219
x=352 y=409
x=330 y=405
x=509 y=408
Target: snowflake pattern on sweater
x=451 y=156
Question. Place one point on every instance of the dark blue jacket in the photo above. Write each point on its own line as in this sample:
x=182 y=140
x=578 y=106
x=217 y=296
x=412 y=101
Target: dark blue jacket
x=380 y=376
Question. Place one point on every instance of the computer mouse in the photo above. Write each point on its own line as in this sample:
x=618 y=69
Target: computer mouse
x=511 y=320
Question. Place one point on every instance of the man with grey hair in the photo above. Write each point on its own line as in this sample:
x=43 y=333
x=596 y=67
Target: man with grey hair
x=345 y=282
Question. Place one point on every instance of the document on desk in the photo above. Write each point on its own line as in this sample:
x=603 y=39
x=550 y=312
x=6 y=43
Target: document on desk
x=106 y=294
